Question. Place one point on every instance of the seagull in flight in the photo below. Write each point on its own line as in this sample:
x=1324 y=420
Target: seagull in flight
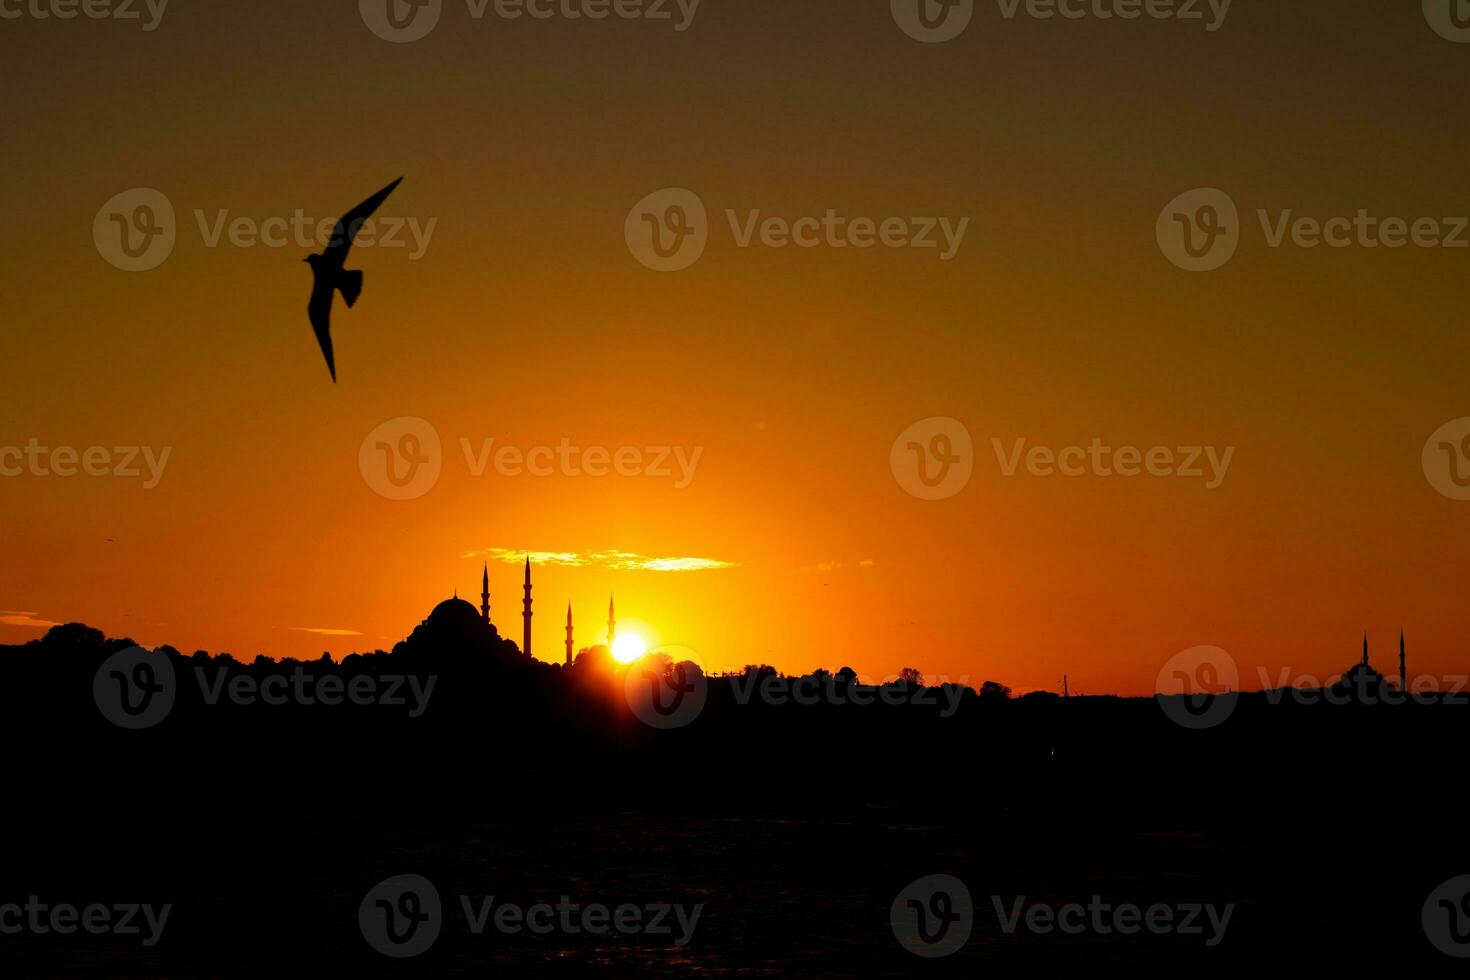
x=328 y=276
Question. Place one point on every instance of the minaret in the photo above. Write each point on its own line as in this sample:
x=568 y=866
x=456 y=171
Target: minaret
x=1365 y=649
x=612 y=624
x=569 y=634
x=1403 y=675
x=526 y=613
x=485 y=594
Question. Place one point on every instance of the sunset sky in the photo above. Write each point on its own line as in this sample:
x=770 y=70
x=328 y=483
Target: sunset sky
x=790 y=371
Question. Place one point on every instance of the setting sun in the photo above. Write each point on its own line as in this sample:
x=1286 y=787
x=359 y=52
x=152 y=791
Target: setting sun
x=628 y=648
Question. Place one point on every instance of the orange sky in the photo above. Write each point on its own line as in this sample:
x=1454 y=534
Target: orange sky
x=792 y=371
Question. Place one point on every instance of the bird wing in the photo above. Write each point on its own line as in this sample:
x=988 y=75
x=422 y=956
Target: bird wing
x=347 y=226
x=319 y=309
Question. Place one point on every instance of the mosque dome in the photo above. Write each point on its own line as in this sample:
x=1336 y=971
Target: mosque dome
x=453 y=611
x=454 y=626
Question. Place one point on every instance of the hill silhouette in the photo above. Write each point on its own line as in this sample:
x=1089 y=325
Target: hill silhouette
x=294 y=785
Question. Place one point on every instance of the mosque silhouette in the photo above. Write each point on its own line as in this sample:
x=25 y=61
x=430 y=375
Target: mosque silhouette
x=1361 y=678
x=455 y=626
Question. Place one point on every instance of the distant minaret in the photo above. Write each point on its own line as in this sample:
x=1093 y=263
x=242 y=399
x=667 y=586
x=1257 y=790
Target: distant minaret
x=526 y=613
x=1403 y=675
x=569 y=634
x=485 y=594
x=1365 y=649
x=612 y=624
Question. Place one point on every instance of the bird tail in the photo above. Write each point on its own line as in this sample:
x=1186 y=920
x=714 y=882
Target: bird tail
x=350 y=283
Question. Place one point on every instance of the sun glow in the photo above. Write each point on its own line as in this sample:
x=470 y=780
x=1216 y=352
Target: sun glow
x=628 y=647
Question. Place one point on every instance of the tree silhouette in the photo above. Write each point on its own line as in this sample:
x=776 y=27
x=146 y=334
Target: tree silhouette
x=994 y=691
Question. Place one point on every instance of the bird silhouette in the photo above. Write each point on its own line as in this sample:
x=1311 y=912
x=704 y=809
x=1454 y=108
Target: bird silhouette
x=329 y=276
